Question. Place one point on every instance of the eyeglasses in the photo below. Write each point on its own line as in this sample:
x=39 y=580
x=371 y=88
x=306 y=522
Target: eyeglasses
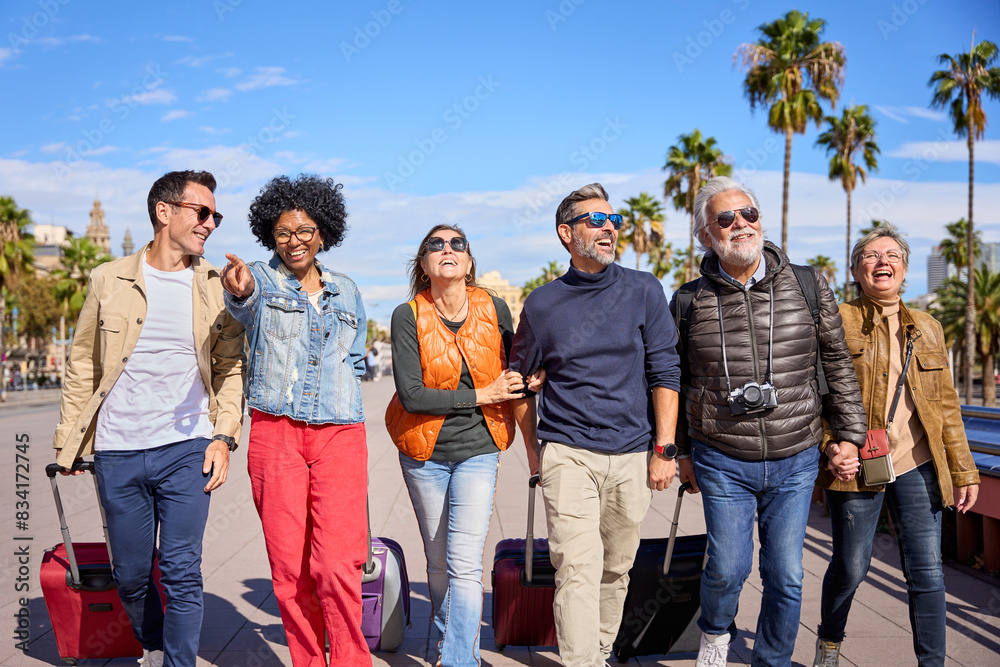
x=598 y=220
x=303 y=234
x=457 y=243
x=726 y=218
x=872 y=257
x=203 y=211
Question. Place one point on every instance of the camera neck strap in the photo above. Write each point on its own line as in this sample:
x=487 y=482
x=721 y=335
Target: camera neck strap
x=902 y=379
x=770 y=338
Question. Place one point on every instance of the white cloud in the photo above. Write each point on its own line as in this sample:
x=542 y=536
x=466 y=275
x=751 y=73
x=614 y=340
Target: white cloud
x=176 y=38
x=6 y=53
x=201 y=61
x=54 y=147
x=156 y=96
x=214 y=95
x=208 y=129
x=230 y=72
x=60 y=41
x=949 y=151
x=176 y=114
x=902 y=114
x=266 y=77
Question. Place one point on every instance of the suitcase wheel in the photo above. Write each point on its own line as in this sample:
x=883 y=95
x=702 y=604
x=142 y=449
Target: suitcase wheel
x=501 y=647
x=69 y=661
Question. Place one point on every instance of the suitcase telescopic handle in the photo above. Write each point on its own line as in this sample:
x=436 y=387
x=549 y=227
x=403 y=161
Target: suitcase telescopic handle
x=529 y=537
x=52 y=470
x=673 y=527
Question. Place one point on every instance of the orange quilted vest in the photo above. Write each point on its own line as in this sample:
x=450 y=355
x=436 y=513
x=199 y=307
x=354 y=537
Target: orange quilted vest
x=479 y=343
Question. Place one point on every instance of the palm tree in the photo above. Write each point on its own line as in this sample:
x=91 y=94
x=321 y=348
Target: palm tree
x=954 y=247
x=691 y=162
x=950 y=310
x=634 y=232
x=849 y=137
x=961 y=86
x=662 y=260
x=826 y=267
x=549 y=273
x=791 y=70
x=79 y=257
x=16 y=258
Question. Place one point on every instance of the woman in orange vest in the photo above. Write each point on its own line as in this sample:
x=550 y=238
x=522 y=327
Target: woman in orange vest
x=450 y=419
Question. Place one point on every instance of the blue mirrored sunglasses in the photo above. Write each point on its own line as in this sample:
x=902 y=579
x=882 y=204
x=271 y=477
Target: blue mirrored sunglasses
x=598 y=220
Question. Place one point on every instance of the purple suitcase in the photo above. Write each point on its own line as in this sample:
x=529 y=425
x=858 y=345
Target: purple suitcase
x=385 y=596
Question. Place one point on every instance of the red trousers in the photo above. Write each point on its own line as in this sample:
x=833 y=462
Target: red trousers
x=310 y=488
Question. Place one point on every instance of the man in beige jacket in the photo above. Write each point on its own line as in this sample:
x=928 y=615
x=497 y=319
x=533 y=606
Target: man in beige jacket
x=154 y=389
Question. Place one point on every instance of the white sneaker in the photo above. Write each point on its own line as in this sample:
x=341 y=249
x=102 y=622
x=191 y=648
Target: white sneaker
x=827 y=654
x=151 y=658
x=714 y=650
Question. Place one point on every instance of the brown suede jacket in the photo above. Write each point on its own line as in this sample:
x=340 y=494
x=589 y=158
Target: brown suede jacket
x=928 y=381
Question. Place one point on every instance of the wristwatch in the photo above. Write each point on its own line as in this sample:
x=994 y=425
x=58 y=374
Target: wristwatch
x=667 y=451
x=230 y=441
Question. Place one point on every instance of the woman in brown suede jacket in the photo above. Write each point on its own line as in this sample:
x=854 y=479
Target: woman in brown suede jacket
x=929 y=451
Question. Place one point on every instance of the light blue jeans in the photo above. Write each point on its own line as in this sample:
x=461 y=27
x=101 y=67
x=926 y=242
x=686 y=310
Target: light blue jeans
x=453 y=503
x=776 y=493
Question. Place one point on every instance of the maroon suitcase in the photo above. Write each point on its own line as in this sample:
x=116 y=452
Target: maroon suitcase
x=523 y=587
x=80 y=593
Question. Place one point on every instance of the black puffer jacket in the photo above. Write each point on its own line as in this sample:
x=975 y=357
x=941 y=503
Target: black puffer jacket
x=795 y=424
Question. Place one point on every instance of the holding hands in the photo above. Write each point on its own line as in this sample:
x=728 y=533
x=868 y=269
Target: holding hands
x=844 y=461
x=236 y=277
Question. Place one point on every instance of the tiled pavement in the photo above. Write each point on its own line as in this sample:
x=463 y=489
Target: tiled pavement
x=242 y=627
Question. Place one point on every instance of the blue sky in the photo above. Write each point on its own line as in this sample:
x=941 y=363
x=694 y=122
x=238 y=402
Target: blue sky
x=478 y=114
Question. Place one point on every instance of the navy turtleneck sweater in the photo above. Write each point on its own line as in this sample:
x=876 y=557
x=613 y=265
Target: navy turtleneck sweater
x=604 y=339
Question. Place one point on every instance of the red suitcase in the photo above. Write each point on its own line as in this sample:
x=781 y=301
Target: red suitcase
x=80 y=594
x=523 y=587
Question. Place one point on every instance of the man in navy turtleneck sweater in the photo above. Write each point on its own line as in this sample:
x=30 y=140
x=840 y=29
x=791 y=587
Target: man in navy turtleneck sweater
x=605 y=421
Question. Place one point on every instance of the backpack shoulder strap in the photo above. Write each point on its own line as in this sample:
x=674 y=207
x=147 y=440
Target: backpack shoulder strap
x=806 y=277
x=685 y=302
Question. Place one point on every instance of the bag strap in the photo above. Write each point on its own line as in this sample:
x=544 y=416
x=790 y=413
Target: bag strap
x=807 y=283
x=902 y=379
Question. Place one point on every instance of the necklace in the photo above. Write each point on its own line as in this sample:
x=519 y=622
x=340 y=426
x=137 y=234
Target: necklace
x=453 y=318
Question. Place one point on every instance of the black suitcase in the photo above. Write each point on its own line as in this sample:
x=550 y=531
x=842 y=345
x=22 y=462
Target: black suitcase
x=664 y=591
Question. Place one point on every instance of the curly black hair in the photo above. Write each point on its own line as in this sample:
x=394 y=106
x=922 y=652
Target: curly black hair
x=319 y=198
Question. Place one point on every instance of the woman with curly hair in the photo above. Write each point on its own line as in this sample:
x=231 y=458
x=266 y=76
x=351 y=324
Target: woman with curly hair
x=307 y=457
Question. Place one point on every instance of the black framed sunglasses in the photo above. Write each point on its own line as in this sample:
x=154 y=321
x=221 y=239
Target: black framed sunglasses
x=457 y=243
x=598 y=220
x=727 y=218
x=203 y=211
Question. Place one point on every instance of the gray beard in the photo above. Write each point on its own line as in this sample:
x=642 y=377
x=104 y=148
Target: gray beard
x=744 y=256
x=591 y=251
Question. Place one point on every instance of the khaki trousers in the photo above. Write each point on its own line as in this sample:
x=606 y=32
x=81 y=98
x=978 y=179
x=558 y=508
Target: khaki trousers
x=594 y=505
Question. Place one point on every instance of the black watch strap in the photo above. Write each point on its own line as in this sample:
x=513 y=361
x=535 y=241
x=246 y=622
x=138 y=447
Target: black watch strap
x=229 y=440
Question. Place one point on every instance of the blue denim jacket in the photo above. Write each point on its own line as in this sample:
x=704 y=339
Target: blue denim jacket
x=303 y=364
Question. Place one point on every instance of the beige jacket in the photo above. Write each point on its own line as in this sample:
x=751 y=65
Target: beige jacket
x=107 y=332
x=928 y=381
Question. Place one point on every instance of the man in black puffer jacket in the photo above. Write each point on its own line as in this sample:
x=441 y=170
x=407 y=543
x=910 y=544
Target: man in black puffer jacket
x=748 y=435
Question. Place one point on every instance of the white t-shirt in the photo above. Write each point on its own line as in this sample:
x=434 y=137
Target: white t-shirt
x=160 y=397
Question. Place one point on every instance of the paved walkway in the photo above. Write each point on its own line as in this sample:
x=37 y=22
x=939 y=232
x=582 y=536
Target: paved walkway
x=242 y=627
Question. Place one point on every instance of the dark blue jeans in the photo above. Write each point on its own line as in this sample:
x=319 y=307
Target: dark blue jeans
x=150 y=491
x=915 y=506
x=776 y=494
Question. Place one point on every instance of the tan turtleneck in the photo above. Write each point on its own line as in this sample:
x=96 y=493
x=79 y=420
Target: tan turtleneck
x=907 y=438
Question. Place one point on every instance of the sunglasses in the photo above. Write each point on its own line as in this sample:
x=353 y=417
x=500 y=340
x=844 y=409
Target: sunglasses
x=598 y=220
x=727 y=218
x=203 y=211
x=457 y=243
